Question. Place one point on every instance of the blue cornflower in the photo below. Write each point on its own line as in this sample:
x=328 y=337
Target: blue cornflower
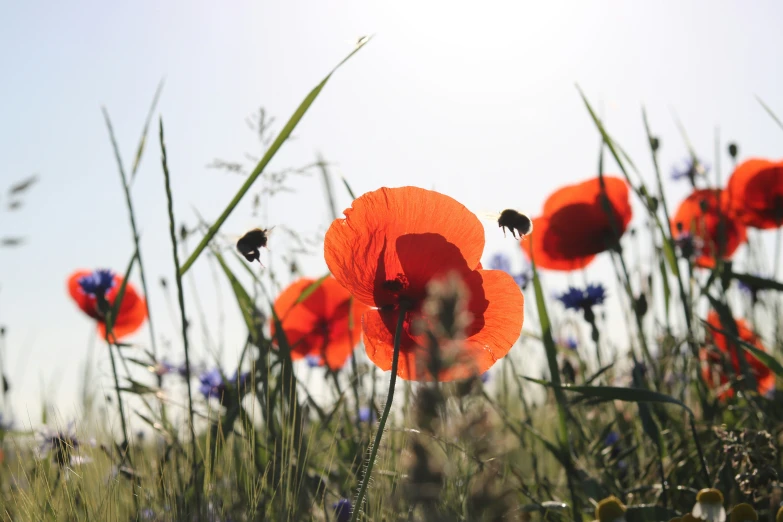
x=97 y=283
x=578 y=299
x=342 y=510
x=313 y=361
x=612 y=439
x=212 y=384
x=690 y=169
x=485 y=377
x=366 y=414
x=500 y=261
x=569 y=342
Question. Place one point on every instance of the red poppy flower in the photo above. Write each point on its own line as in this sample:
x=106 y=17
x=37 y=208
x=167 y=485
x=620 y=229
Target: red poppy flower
x=701 y=217
x=755 y=193
x=87 y=287
x=391 y=244
x=318 y=327
x=712 y=372
x=575 y=225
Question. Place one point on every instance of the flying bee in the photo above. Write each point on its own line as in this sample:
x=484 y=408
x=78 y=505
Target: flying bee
x=516 y=222
x=251 y=243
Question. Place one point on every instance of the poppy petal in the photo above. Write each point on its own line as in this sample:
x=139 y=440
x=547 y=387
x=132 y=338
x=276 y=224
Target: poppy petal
x=575 y=225
x=361 y=249
x=319 y=325
x=497 y=306
x=754 y=193
x=549 y=250
x=701 y=215
x=86 y=303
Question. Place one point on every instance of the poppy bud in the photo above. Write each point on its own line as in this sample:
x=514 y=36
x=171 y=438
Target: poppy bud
x=163 y=283
x=655 y=143
x=183 y=232
x=733 y=150
x=640 y=305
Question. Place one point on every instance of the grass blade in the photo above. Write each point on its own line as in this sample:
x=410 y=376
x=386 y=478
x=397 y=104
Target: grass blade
x=270 y=153
x=769 y=111
x=562 y=404
x=183 y=317
x=312 y=287
x=144 y=132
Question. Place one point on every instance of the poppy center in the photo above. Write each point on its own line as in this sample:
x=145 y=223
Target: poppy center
x=396 y=285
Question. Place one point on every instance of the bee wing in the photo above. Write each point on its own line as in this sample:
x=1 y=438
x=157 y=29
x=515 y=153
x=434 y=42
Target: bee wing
x=488 y=216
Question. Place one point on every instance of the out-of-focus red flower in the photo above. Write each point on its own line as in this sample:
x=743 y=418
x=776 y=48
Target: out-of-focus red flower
x=712 y=372
x=325 y=325
x=95 y=291
x=391 y=244
x=754 y=193
x=578 y=222
x=700 y=216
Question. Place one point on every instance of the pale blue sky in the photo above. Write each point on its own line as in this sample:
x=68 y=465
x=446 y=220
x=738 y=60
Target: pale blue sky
x=476 y=100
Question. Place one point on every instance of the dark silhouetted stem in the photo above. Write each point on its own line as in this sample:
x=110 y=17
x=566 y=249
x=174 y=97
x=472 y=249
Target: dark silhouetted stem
x=382 y=424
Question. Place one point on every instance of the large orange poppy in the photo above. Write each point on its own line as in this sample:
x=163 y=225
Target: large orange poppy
x=575 y=226
x=87 y=287
x=755 y=193
x=324 y=326
x=700 y=216
x=390 y=245
x=711 y=371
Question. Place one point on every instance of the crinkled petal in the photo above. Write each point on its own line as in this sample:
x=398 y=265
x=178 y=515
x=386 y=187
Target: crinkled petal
x=497 y=308
x=319 y=326
x=361 y=250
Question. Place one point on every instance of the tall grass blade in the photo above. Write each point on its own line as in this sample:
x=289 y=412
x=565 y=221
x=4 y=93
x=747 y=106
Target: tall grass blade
x=183 y=317
x=270 y=153
x=562 y=404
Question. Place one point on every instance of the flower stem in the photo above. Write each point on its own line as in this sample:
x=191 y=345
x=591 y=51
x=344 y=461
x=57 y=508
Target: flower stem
x=181 y=298
x=125 y=453
x=379 y=434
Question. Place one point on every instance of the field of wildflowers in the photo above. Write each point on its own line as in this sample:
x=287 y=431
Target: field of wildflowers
x=682 y=422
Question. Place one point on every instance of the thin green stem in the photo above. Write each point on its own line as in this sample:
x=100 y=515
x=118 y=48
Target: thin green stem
x=119 y=403
x=181 y=297
x=134 y=229
x=382 y=424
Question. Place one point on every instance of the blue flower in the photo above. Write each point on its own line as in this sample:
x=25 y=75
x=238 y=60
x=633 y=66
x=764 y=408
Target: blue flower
x=342 y=510
x=97 y=283
x=500 y=262
x=612 y=439
x=365 y=414
x=690 y=169
x=485 y=377
x=147 y=514
x=313 y=361
x=578 y=299
x=212 y=384
x=569 y=342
